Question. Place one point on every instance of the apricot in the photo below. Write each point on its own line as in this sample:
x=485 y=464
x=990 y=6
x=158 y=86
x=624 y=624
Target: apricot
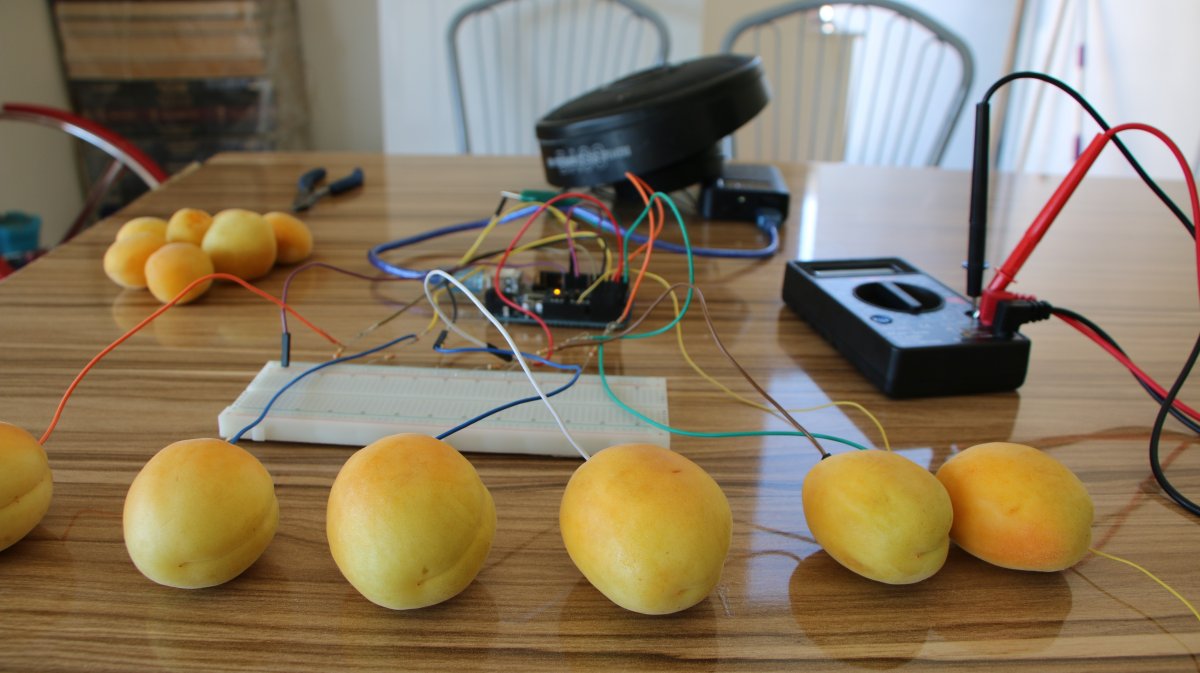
x=125 y=259
x=175 y=265
x=188 y=225
x=1017 y=507
x=647 y=527
x=409 y=521
x=292 y=237
x=879 y=514
x=241 y=243
x=25 y=484
x=143 y=225
x=199 y=513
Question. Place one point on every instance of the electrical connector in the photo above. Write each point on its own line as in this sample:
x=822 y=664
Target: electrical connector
x=767 y=219
x=1012 y=313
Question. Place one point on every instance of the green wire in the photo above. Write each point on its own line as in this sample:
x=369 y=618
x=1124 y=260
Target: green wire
x=686 y=304
x=692 y=433
x=691 y=269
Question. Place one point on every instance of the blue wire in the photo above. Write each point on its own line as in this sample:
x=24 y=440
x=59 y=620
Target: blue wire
x=271 y=402
x=770 y=227
x=373 y=255
x=497 y=351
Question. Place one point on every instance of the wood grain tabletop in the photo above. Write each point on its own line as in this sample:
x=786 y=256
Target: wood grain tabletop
x=71 y=599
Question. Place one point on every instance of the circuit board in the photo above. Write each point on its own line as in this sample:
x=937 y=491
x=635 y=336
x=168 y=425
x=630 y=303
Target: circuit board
x=560 y=298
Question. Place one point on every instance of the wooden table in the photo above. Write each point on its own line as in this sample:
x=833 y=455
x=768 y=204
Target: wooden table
x=70 y=599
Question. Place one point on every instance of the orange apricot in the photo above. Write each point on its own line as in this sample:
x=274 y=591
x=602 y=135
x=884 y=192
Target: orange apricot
x=173 y=267
x=647 y=527
x=125 y=259
x=240 y=242
x=292 y=237
x=1017 y=507
x=189 y=225
x=879 y=514
x=25 y=484
x=140 y=225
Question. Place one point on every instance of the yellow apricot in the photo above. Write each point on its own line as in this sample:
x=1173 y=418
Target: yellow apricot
x=188 y=225
x=879 y=514
x=241 y=243
x=292 y=237
x=199 y=513
x=175 y=265
x=409 y=521
x=25 y=484
x=125 y=259
x=140 y=225
x=647 y=527
x=1017 y=507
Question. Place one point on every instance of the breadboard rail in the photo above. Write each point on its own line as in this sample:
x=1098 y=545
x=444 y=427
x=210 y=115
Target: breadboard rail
x=355 y=404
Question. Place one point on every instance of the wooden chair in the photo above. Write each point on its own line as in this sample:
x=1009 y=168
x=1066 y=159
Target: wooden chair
x=864 y=81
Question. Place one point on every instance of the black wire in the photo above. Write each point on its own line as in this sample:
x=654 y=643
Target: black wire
x=1166 y=405
x=1155 y=465
x=1026 y=74
x=1176 y=413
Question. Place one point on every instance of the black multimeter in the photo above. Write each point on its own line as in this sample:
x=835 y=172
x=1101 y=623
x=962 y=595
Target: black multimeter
x=909 y=334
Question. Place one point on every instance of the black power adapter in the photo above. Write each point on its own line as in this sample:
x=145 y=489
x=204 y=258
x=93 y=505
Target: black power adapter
x=907 y=333
x=746 y=193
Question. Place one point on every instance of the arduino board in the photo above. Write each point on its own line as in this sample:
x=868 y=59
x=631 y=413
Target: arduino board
x=563 y=299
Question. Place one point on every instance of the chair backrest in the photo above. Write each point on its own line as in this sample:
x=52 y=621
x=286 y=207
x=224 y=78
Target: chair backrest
x=863 y=81
x=123 y=154
x=512 y=61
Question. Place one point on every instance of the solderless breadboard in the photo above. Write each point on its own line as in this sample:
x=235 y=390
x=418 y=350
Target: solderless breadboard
x=354 y=405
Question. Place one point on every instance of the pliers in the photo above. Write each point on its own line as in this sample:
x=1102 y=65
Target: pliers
x=308 y=193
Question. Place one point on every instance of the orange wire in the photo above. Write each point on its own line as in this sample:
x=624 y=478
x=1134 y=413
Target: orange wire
x=655 y=226
x=162 y=309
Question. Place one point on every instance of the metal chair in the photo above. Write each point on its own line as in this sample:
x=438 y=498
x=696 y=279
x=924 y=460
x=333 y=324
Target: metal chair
x=868 y=82
x=124 y=155
x=512 y=61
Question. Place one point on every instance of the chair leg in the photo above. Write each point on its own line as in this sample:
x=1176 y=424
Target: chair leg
x=92 y=203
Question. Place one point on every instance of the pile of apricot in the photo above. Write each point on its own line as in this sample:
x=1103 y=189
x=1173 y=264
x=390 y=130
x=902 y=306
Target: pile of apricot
x=166 y=256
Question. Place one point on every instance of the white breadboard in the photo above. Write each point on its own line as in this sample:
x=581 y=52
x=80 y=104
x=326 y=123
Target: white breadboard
x=354 y=405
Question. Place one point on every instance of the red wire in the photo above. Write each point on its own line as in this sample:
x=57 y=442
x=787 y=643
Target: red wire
x=508 y=251
x=146 y=321
x=1129 y=364
x=1195 y=203
x=1189 y=179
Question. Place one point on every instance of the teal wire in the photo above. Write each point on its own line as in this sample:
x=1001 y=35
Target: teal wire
x=693 y=433
x=691 y=267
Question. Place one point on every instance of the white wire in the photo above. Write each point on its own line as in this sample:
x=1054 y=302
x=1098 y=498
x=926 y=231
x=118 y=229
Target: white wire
x=442 y=316
x=511 y=344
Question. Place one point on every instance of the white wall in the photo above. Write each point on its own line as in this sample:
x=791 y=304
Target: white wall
x=1140 y=66
x=416 y=96
x=340 y=43
x=417 y=112
x=37 y=165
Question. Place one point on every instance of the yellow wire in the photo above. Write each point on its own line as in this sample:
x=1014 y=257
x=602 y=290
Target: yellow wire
x=1152 y=576
x=599 y=278
x=745 y=400
x=496 y=220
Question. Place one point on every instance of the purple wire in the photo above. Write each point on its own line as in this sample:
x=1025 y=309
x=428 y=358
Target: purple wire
x=287 y=283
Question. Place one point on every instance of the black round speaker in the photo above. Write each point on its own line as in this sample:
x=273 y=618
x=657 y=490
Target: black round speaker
x=664 y=124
